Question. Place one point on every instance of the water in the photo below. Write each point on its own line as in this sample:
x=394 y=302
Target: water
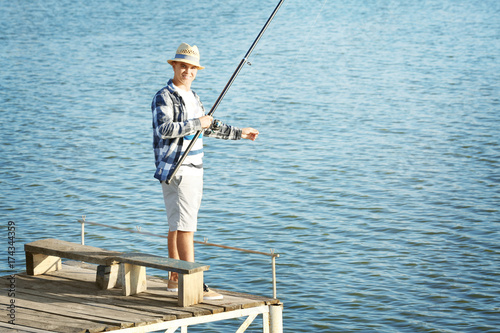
x=375 y=175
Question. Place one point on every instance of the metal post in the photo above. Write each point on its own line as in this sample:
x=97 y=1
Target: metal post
x=266 y=325
x=82 y=221
x=274 y=276
x=276 y=318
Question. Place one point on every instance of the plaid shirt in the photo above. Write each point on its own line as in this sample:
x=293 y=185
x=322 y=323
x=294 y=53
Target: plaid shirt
x=170 y=126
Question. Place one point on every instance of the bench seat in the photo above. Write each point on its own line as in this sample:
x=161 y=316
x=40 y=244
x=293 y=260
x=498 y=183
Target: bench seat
x=127 y=270
x=44 y=255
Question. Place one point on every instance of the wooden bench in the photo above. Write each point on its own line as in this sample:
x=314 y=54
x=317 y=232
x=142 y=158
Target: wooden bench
x=43 y=256
x=116 y=269
x=133 y=272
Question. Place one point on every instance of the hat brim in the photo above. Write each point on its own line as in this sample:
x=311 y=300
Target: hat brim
x=185 y=61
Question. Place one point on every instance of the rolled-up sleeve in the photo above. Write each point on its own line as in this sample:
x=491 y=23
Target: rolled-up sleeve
x=225 y=132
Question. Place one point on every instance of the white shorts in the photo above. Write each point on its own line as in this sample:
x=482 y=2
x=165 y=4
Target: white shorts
x=182 y=202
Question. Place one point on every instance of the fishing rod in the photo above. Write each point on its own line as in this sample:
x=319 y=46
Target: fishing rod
x=224 y=91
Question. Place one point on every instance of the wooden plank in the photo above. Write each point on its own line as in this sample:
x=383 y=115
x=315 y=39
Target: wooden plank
x=66 y=311
x=156 y=291
x=83 y=272
x=107 y=276
x=110 y=305
x=213 y=309
x=37 y=264
x=234 y=301
x=65 y=306
x=54 y=323
x=250 y=297
x=133 y=279
x=74 y=251
x=190 y=289
x=69 y=301
x=56 y=284
x=129 y=309
x=163 y=263
x=189 y=311
x=16 y=328
x=133 y=275
x=66 y=288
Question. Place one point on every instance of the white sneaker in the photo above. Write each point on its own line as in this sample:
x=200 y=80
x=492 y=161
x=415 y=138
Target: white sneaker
x=173 y=286
x=210 y=295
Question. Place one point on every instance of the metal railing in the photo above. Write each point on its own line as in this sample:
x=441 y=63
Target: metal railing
x=271 y=254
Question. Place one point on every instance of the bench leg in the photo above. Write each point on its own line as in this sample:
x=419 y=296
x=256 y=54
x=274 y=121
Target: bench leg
x=37 y=264
x=107 y=276
x=190 y=289
x=133 y=278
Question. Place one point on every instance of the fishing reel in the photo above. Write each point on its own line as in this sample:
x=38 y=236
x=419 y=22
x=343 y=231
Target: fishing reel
x=215 y=126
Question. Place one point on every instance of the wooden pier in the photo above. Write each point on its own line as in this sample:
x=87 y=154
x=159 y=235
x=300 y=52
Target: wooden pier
x=68 y=300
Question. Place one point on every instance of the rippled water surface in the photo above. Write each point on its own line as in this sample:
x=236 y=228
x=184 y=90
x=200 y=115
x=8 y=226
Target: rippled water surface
x=376 y=174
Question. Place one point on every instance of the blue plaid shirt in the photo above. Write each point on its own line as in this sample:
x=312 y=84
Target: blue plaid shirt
x=170 y=126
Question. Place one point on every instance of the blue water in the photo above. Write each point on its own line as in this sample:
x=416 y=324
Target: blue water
x=375 y=176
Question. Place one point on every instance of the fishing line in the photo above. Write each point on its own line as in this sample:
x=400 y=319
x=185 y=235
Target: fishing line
x=313 y=25
x=305 y=43
x=305 y=47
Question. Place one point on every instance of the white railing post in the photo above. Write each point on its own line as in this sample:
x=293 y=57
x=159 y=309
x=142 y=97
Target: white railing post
x=265 y=322
x=274 y=276
x=276 y=317
x=82 y=221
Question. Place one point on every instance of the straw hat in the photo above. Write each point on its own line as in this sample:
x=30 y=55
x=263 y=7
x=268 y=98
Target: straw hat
x=188 y=54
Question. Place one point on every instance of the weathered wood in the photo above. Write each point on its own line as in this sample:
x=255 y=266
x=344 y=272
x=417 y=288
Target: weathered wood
x=133 y=278
x=235 y=300
x=129 y=307
x=163 y=263
x=63 y=249
x=111 y=315
x=71 y=290
x=155 y=301
x=69 y=301
x=190 y=275
x=212 y=309
x=181 y=312
x=190 y=288
x=20 y=329
x=107 y=276
x=44 y=255
x=58 y=323
x=73 y=310
x=37 y=264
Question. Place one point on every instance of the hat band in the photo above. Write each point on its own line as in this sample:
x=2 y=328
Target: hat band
x=187 y=57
